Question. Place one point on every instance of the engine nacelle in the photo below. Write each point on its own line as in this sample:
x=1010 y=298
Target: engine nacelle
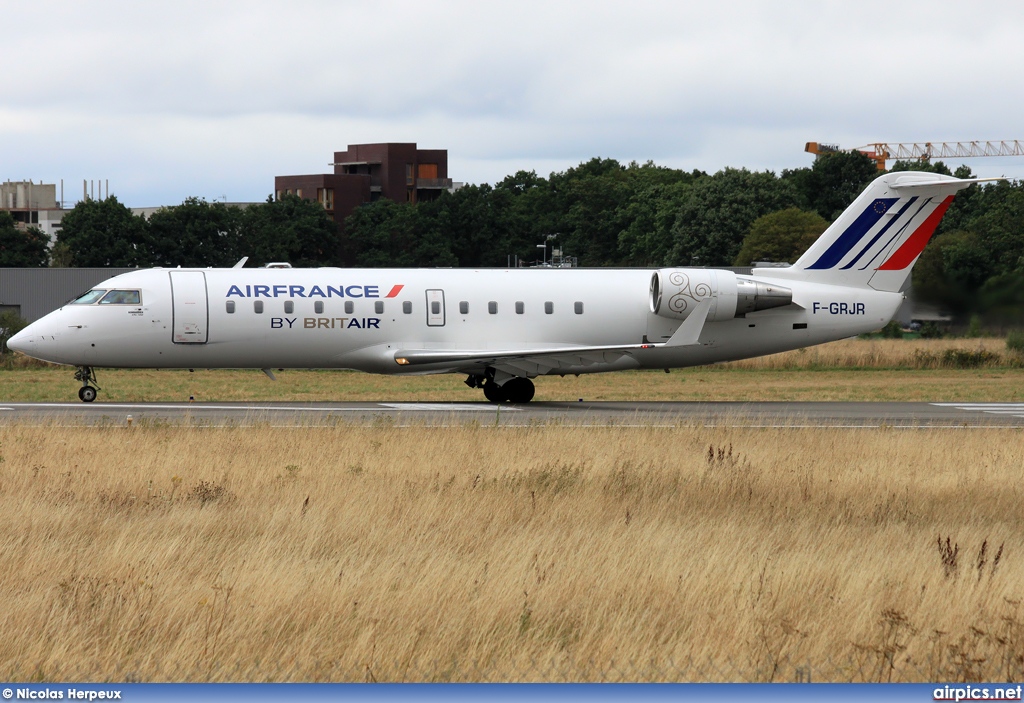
x=676 y=292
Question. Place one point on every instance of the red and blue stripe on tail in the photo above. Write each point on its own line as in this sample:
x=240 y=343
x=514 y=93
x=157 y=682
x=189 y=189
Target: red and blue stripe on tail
x=876 y=241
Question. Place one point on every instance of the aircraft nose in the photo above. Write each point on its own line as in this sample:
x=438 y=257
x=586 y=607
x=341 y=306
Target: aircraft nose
x=23 y=342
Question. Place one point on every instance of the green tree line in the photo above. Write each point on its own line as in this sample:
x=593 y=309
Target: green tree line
x=21 y=247
x=602 y=212
x=197 y=233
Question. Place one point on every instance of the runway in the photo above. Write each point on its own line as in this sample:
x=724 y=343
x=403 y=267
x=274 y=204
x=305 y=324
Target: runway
x=621 y=414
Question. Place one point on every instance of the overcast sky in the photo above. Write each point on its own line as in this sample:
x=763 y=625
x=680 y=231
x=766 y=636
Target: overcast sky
x=213 y=99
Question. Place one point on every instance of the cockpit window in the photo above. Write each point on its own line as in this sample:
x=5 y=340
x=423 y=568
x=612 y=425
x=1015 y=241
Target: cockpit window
x=88 y=298
x=121 y=297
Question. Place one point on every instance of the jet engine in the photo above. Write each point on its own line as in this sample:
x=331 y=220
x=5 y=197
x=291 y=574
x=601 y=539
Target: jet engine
x=676 y=292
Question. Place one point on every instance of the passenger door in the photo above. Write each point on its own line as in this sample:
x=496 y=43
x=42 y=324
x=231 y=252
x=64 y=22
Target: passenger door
x=435 y=308
x=191 y=311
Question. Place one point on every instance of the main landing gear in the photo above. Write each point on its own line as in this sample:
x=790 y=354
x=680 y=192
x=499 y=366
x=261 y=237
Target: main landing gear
x=513 y=390
x=87 y=393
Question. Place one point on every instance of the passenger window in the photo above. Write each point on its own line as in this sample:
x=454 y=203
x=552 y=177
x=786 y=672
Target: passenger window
x=289 y=307
x=318 y=307
x=230 y=305
x=492 y=307
x=578 y=307
x=435 y=307
x=378 y=306
x=121 y=297
x=519 y=307
x=549 y=307
x=407 y=307
x=464 y=307
x=349 y=307
x=257 y=307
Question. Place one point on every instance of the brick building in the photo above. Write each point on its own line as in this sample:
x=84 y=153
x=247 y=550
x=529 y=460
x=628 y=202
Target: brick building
x=366 y=172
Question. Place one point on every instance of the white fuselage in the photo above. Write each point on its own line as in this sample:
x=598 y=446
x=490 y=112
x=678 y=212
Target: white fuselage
x=304 y=322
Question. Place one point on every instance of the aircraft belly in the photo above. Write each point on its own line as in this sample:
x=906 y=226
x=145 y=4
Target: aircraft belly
x=247 y=354
x=531 y=368
x=623 y=363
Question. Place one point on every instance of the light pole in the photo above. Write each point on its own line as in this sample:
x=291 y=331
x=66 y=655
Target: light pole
x=544 y=246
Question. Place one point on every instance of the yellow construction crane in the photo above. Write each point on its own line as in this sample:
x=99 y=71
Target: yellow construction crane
x=924 y=151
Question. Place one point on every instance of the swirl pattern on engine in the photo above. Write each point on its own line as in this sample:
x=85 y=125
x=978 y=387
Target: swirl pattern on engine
x=681 y=300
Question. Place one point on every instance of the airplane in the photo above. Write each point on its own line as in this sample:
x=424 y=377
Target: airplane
x=503 y=328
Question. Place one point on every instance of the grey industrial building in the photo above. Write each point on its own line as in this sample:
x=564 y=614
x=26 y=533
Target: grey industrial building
x=32 y=205
x=34 y=292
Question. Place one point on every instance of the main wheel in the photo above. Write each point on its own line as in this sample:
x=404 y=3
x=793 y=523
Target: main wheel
x=87 y=394
x=519 y=390
x=495 y=393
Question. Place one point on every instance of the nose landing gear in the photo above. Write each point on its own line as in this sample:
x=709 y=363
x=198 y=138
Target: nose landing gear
x=86 y=375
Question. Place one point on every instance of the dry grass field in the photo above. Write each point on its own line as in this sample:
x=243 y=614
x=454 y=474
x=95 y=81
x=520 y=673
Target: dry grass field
x=477 y=553
x=879 y=353
x=958 y=370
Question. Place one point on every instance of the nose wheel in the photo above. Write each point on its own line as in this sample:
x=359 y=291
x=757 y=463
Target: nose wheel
x=87 y=393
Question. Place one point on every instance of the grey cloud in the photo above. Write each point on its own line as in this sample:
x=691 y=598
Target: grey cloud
x=161 y=98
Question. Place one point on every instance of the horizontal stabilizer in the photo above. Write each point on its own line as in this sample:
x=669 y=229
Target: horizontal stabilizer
x=904 y=182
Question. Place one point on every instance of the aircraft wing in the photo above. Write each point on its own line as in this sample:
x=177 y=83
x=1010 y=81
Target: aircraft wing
x=542 y=360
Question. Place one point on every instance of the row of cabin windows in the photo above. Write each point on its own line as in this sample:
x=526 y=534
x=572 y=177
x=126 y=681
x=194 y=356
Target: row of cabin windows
x=549 y=307
x=378 y=307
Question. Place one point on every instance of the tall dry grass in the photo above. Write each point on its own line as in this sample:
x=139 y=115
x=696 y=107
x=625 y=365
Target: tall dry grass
x=890 y=354
x=547 y=553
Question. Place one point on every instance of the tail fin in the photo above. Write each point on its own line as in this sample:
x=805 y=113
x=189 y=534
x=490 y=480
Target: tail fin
x=877 y=240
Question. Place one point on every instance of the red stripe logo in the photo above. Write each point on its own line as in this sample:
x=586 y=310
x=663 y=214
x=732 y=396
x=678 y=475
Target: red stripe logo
x=912 y=248
x=395 y=290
